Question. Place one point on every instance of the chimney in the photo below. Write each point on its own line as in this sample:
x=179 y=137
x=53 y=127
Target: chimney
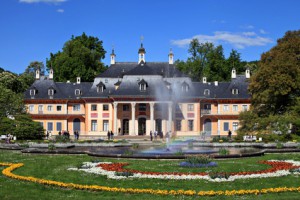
x=233 y=73
x=112 y=57
x=171 y=56
x=37 y=74
x=204 y=80
x=248 y=72
x=216 y=83
x=51 y=74
x=78 y=80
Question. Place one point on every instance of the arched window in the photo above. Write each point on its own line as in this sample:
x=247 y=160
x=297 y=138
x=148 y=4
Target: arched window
x=234 y=91
x=143 y=85
x=206 y=92
x=100 y=87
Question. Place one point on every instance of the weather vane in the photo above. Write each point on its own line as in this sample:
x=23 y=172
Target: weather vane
x=142 y=38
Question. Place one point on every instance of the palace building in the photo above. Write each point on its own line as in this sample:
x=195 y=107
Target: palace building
x=134 y=98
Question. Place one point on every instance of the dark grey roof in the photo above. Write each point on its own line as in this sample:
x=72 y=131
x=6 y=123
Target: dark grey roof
x=224 y=89
x=120 y=69
x=63 y=90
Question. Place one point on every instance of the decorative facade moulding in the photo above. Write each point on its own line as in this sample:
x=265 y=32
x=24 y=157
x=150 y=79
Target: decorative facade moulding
x=48 y=101
x=98 y=100
x=221 y=117
x=61 y=117
x=226 y=101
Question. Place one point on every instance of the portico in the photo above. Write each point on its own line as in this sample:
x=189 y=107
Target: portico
x=141 y=117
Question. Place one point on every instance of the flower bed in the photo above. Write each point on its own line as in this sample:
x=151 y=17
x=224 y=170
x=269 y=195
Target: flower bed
x=11 y=166
x=278 y=168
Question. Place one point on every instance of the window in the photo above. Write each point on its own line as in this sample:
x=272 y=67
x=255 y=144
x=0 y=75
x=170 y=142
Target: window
x=76 y=107
x=77 y=92
x=50 y=126
x=50 y=92
x=106 y=81
x=190 y=107
x=142 y=107
x=94 y=125
x=225 y=108
x=31 y=108
x=178 y=125
x=126 y=107
x=235 y=126
x=58 y=108
x=49 y=108
x=105 y=125
x=206 y=92
x=191 y=125
x=143 y=87
x=40 y=108
x=94 y=107
x=42 y=124
x=235 y=91
x=226 y=126
x=105 y=107
x=58 y=126
x=235 y=107
x=245 y=107
x=32 y=92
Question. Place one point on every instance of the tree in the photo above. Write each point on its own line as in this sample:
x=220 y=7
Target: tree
x=80 y=57
x=10 y=81
x=26 y=129
x=10 y=102
x=276 y=84
x=33 y=66
x=209 y=61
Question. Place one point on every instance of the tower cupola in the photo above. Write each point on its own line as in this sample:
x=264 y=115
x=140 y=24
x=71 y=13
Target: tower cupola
x=171 y=57
x=112 y=57
x=142 y=52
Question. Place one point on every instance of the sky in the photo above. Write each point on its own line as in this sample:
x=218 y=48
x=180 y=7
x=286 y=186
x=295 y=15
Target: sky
x=32 y=29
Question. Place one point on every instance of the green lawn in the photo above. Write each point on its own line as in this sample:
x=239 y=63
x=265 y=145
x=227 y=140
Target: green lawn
x=54 y=167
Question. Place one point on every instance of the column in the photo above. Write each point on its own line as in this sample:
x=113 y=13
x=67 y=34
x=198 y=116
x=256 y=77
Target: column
x=170 y=117
x=152 y=116
x=132 y=132
x=115 y=118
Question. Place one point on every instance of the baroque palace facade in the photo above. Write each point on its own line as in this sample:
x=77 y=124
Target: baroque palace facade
x=134 y=98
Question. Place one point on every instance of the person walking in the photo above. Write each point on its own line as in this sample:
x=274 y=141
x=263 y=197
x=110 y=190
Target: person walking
x=111 y=135
x=108 y=135
x=151 y=136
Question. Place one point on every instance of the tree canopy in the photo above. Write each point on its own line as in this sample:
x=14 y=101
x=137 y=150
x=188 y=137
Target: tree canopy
x=80 y=57
x=276 y=84
x=208 y=60
x=275 y=90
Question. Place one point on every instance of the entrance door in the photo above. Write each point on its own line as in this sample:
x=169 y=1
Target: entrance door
x=125 y=127
x=158 y=125
x=76 y=124
x=207 y=127
x=142 y=126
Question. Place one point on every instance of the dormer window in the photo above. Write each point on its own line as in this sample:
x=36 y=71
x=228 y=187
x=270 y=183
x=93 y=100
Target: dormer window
x=143 y=85
x=185 y=87
x=32 y=92
x=50 y=92
x=235 y=91
x=100 y=87
x=206 y=92
x=77 y=92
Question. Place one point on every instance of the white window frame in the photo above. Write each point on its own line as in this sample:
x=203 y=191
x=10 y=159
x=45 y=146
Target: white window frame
x=105 y=125
x=226 y=107
x=50 y=92
x=31 y=108
x=235 y=126
x=190 y=107
x=77 y=92
x=245 y=107
x=94 y=107
x=235 y=108
x=94 y=125
x=104 y=105
x=40 y=108
x=76 y=107
x=49 y=108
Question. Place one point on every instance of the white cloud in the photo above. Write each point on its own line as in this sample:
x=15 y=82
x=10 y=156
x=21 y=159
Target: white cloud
x=42 y=1
x=262 y=31
x=60 y=10
x=238 y=40
x=249 y=33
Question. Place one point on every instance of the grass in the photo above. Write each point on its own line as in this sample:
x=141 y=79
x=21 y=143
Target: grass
x=53 y=167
